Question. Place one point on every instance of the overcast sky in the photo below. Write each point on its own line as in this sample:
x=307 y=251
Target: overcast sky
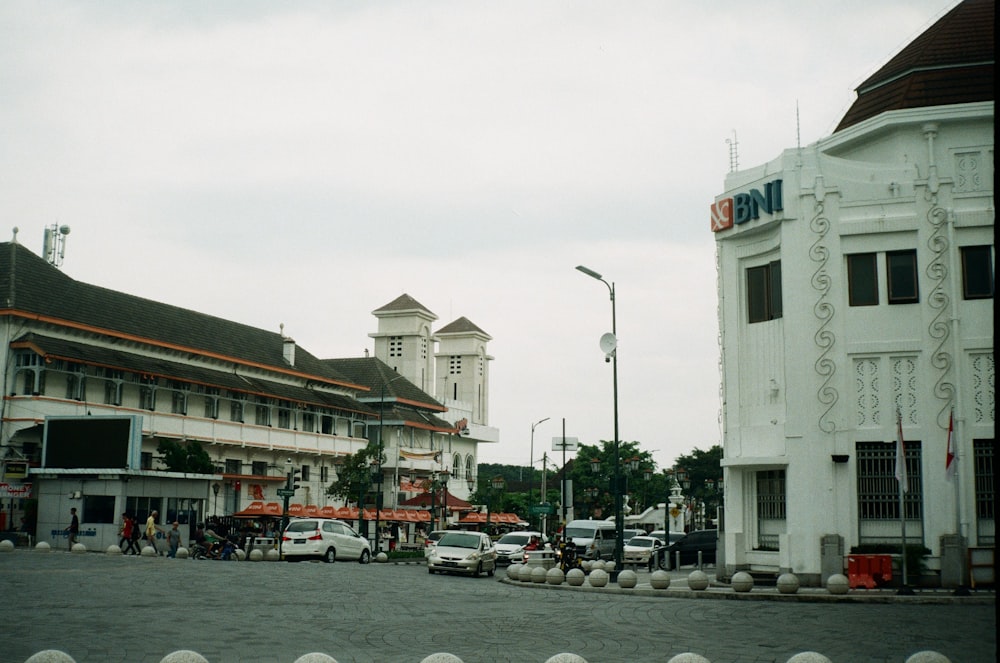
x=306 y=163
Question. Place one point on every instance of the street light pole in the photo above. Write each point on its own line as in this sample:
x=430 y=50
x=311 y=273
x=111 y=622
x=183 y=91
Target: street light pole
x=378 y=461
x=531 y=460
x=619 y=515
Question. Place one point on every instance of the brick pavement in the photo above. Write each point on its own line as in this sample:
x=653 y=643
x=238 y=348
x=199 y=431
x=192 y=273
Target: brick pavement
x=103 y=608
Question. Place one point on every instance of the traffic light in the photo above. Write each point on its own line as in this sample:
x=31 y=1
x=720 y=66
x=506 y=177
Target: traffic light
x=293 y=479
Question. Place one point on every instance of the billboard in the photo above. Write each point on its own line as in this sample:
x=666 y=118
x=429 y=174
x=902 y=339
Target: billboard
x=92 y=442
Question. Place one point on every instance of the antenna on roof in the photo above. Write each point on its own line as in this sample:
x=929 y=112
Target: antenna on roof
x=798 y=127
x=54 y=244
x=14 y=239
x=734 y=153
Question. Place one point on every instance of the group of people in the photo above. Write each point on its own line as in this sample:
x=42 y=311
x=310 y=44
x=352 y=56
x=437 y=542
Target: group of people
x=130 y=533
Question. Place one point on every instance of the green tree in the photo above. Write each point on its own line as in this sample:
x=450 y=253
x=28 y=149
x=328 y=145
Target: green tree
x=189 y=458
x=702 y=466
x=354 y=477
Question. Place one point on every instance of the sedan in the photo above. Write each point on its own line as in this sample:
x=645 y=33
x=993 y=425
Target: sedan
x=463 y=552
x=704 y=541
x=639 y=549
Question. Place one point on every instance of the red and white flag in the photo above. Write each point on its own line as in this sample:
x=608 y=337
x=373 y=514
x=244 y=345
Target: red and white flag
x=900 y=454
x=949 y=463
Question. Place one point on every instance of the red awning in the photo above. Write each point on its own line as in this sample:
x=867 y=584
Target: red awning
x=476 y=518
x=260 y=510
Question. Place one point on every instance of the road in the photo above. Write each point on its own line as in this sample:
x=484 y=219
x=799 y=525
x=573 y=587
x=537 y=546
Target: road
x=101 y=608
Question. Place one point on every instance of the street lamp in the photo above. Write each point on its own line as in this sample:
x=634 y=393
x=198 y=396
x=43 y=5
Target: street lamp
x=443 y=478
x=497 y=483
x=215 y=502
x=378 y=461
x=611 y=350
x=531 y=459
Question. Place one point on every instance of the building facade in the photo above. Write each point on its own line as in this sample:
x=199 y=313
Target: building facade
x=855 y=284
x=259 y=404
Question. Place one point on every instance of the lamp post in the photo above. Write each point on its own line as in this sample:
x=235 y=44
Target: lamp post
x=377 y=477
x=531 y=460
x=443 y=478
x=611 y=351
x=215 y=501
x=497 y=483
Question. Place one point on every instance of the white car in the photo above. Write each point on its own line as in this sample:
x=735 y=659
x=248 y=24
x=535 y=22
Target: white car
x=324 y=538
x=463 y=552
x=638 y=549
x=510 y=546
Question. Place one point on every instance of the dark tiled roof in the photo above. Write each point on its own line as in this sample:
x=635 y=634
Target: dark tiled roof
x=950 y=63
x=404 y=401
x=93 y=355
x=29 y=284
x=404 y=303
x=461 y=326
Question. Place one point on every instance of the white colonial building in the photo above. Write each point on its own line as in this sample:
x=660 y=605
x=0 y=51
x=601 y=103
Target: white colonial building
x=120 y=374
x=856 y=283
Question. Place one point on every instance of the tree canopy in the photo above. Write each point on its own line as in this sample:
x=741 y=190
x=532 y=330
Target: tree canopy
x=189 y=458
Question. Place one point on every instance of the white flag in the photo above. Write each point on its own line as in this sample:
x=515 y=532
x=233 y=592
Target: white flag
x=900 y=454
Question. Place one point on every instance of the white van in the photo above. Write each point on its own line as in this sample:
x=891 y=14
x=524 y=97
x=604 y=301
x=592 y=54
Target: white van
x=594 y=539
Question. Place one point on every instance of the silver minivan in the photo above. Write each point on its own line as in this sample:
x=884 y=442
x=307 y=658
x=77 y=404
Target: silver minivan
x=324 y=538
x=594 y=539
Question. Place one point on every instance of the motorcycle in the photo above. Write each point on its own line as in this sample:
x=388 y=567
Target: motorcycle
x=224 y=550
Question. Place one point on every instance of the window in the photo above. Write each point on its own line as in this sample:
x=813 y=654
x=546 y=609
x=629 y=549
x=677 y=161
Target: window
x=284 y=414
x=146 y=460
x=862 y=279
x=262 y=412
x=113 y=386
x=901 y=269
x=211 y=401
x=308 y=422
x=977 y=272
x=985 y=492
x=324 y=473
x=236 y=408
x=178 y=400
x=878 y=492
x=764 y=292
x=305 y=472
x=455 y=365
x=395 y=346
x=234 y=466
x=98 y=509
x=770 y=508
x=259 y=468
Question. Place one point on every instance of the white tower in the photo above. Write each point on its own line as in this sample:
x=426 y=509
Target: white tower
x=463 y=369
x=404 y=340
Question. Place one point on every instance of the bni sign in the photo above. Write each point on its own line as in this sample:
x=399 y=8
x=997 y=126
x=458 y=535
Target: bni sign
x=565 y=443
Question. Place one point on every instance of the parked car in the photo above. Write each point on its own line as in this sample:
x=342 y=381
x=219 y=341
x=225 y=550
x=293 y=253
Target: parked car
x=463 y=552
x=704 y=540
x=629 y=533
x=510 y=546
x=662 y=535
x=639 y=549
x=432 y=540
x=323 y=538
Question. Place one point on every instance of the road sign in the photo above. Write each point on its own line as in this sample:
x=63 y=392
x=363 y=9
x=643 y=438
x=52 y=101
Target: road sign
x=565 y=443
x=545 y=509
x=286 y=492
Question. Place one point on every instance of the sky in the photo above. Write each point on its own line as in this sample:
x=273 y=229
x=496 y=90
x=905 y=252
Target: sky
x=305 y=163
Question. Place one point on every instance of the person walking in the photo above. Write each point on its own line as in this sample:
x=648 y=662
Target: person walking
x=152 y=528
x=125 y=535
x=74 y=528
x=173 y=540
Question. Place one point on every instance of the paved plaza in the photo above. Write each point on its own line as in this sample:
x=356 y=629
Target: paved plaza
x=101 y=608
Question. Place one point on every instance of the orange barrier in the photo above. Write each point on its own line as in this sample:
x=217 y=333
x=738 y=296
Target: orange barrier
x=868 y=571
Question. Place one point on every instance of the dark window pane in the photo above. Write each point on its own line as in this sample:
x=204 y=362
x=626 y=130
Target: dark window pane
x=901 y=267
x=862 y=279
x=775 y=292
x=977 y=272
x=757 y=293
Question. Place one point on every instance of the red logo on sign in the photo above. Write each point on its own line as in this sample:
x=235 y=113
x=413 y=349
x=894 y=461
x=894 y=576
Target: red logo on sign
x=722 y=215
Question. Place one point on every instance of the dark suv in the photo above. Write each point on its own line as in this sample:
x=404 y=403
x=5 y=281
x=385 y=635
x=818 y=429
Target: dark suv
x=704 y=540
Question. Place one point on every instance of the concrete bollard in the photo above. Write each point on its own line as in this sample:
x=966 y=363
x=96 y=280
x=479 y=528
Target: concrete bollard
x=78 y=549
x=697 y=580
x=148 y=551
x=689 y=657
x=555 y=576
x=315 y=657
x=183 y=656
x=381 y=558
x=441 y=657
x=837 y=584
x=565 y=658
x=809 y=657
x=538 y=575
x=742 y=581
x=50 y=656
x=575 y=577
x=256 y=555
x=113 y=550
x=598 y=578
x=628 y=579
x=928 y=657
x=43 y=546
x=8 y=546
x=788 y=583
x=272 y=555
x=182 y=553
x=659 y=579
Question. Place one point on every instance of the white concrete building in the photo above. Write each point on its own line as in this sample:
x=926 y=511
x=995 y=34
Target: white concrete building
x=855 y=281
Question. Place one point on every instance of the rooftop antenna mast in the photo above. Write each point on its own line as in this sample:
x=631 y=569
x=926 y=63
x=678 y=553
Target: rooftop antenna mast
x=54 y=244
x=734 y=153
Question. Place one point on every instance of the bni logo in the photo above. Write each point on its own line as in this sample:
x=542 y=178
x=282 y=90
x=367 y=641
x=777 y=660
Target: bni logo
x=744 y=207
